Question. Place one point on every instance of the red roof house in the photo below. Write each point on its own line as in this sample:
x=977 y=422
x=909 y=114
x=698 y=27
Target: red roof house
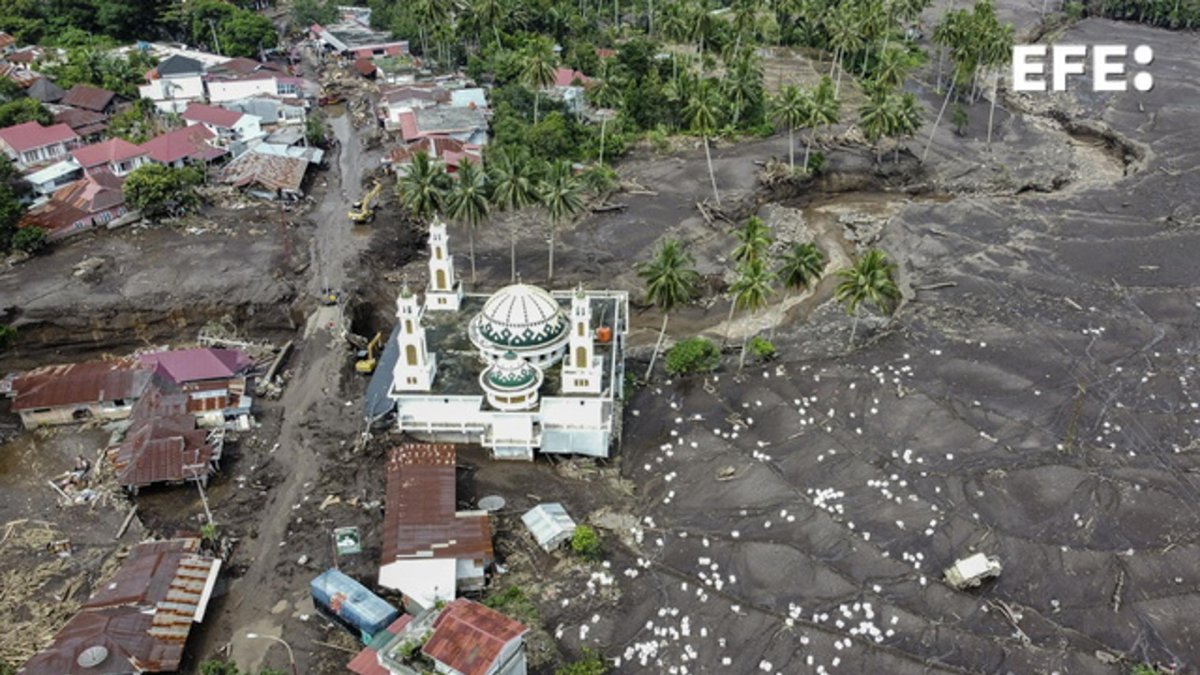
x=211 y=115
x=96 y=199
x=116 y=155
x=430 y=549
x=189 y=144
x=30 y=143
x=90 y=98
x=63 y=394
x=163 y=443
x=140 y=619
x=196 y=365
x=566 y=77
x=442 y=148
x=472 y=639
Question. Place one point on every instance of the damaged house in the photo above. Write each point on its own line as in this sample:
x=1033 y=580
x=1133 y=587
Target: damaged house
x=78 y=392
x=140 y=620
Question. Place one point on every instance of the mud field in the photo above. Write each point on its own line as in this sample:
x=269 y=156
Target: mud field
x=1032 y=399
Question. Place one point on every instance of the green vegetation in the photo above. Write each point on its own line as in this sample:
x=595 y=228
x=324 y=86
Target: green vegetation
x=588 y=663
x=20 y=110
x=585 y=543
x=422 y=188
x=752 y=291
x=1162 y=13
x=761 y=348
x=800 y=267
x=467 y=202
x=159 y=191
x=316 y=129
x=12 y=189
x=8 y=337
x=870 y=281
x=671 y=280
x=693 y=355
x=220 y=667
x=137 y=124
x=92 y=65
x=513 y=602
x=29 y=239
x=307 y=12
x=562 y=198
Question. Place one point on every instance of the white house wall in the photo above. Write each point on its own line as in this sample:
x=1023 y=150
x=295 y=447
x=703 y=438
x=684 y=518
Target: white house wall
x=220 y=91
x=424 y=580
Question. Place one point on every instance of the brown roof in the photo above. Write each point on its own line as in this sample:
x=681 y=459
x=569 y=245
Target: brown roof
x=437 y=147
x=241 y=65
x=161 y=449
x=140 y=618
x=53 y=216
x=6 y=40
x=422 y=92
x=469 y=637
x=79 y=383
x=420 y=517
x=83 y=122
x=88 y=98
x=365 y=67
x=274 y=172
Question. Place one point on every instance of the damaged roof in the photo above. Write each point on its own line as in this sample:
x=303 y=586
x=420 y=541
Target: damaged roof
x=187 y=143
x=275 y=172
x=469 y=637
x=139 y=621
x=79 y=383
x=83 y=122
x=420 y=518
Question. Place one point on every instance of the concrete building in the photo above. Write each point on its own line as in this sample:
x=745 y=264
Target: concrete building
x=49 y=180
x=430 y=549
x=177 y=81
x=187 y=145
x=354 y=37
x=29 y=144
x=116 y=156
x=520 y=370
x=94 y=200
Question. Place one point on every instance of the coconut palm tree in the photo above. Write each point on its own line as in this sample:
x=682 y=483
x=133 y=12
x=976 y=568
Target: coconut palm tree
x=467 y=202
x=844 y=29
x=513 y=178
x=488 y=13
x=877 y=116
x=870 y=281
x=537 y=70
x=908 y=120
x=422 y=189
x=996 y=53
x=791 y=108
x=701 y=112
x=671 y=280
x=743 y=83
x=754 y=239
x=562 y=197
x=825 y=111
x=802 y=265
x=752 y=291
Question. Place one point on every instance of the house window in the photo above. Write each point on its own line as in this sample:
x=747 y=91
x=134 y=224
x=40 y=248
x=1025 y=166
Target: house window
x=410 y=353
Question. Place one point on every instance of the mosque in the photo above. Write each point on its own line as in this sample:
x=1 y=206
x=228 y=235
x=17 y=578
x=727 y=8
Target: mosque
x=523 y=369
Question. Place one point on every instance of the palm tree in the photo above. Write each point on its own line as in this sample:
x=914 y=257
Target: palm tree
x=752 y=291
x=802 y=265
x=908 y=120
x=754 y=238
x=996 y=54
x=825 y=111
x=537 y=70
x=467 y=203
x=514 y=181
x=671 y=280
x=422 y=189
x=561 y=193
x=488 y=13
x=743 y=83
x=869 y=280
x=844 y=26
x=791 y=108
x=701 y=113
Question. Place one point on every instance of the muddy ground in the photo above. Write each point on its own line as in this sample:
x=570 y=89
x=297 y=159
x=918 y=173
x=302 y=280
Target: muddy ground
x=1031 y=399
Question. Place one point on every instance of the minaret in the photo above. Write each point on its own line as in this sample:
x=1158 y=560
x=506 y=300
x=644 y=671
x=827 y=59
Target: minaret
x=415 y=366
x=581 y=373
x=445 y=290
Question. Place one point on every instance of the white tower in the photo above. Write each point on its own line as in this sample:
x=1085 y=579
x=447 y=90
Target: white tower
x=581 y=373
x=445 y=291
x=415 y=366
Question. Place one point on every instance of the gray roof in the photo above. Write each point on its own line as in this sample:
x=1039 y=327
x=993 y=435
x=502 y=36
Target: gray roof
x=179 y=65
x=45 y=91
x=549 y=524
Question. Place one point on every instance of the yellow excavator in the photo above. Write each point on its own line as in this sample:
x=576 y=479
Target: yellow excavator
x=363 y=211
x=369 y=357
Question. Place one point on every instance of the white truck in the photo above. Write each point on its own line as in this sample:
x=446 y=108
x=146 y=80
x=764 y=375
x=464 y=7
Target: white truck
x=969 y=572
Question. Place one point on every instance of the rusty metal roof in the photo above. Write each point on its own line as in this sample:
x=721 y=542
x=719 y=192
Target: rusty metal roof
x=163 y=449
x=79 y=383
x=469 y=637
x=88 y=98
x=275 y=172
x=420 y=517
x=140 y=619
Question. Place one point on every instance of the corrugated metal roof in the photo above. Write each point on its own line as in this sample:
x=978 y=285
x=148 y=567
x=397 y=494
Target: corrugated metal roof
x=141 y=617
x=469 y=637
x=79 y=383
x=30 y=135
x=88 y=98
x=217 y=117
x=549 y=524
x=420 y=519
x=274 y=172
x=192 y=365
x=113 y=150
x=190 y=142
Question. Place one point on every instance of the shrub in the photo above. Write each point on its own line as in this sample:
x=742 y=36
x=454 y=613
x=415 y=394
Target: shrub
x=693 y=355
x=762 y=349
x=29 y=239
x=588 y=663
x=8 y=336
x=816 y=163
x=513 y=602
x=586 y=543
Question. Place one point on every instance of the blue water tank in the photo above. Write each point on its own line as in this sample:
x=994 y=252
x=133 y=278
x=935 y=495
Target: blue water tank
x=348 y=601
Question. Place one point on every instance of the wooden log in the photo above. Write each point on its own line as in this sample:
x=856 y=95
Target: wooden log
x=127 y=521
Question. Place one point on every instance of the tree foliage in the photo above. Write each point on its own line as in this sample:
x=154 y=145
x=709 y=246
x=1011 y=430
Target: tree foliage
x=29 y=239
x=93 y=65
x=588 y=663
x=585 y=543
x=307 y=12
x=158 y=191
x=22 y=110
x=13 y=189
x=693 y=355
